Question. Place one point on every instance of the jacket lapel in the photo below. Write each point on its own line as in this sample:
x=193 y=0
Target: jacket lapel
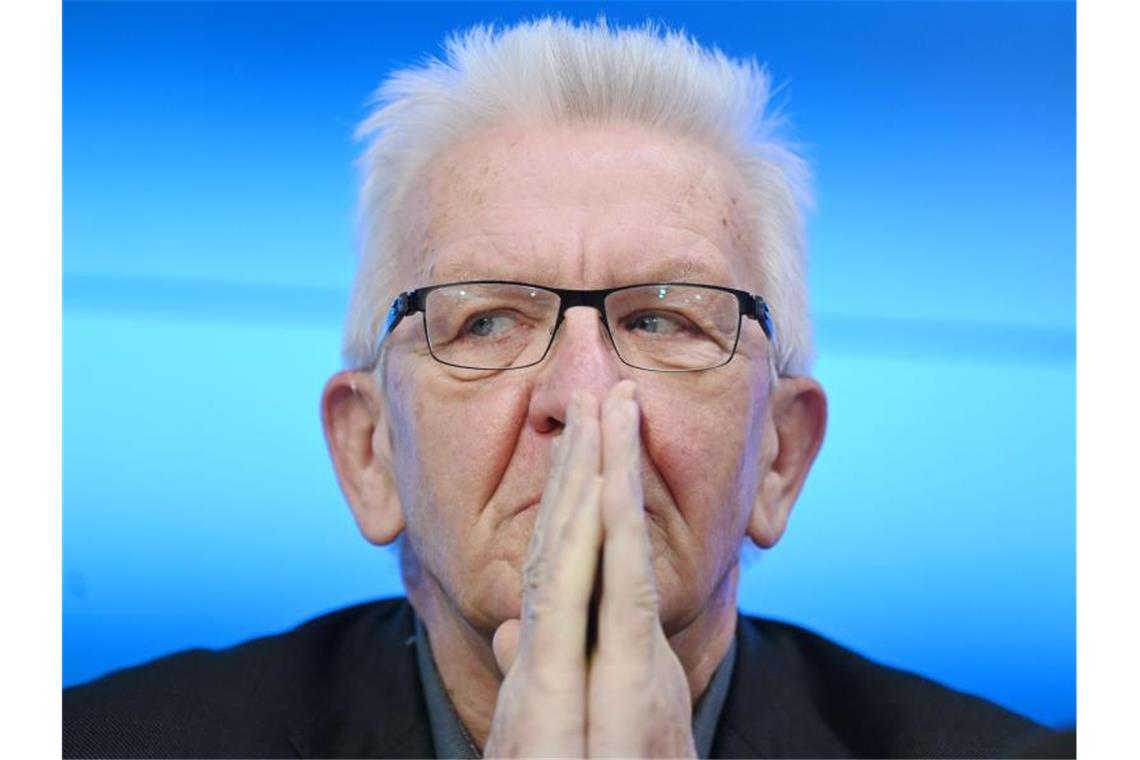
x=371 y=703
x=768 y=711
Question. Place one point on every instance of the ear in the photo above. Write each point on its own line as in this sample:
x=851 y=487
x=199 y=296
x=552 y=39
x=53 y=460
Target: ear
x=353 y=414
x=794 y=427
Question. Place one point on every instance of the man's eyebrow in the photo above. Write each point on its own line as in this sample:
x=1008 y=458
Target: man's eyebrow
x=677 y=270
x=457 y=273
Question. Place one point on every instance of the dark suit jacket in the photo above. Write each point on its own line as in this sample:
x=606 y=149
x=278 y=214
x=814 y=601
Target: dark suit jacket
x=346 y=685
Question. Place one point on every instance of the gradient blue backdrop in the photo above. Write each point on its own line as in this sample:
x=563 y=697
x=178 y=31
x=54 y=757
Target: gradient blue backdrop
x=208 y=205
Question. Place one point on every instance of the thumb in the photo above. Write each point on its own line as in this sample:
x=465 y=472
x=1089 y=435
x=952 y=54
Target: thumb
x=506 y=644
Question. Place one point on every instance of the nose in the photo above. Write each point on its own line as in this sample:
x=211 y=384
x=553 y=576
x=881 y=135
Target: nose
x=580 y=359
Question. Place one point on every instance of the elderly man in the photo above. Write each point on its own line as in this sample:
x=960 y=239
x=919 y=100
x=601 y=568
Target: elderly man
x=577 y=381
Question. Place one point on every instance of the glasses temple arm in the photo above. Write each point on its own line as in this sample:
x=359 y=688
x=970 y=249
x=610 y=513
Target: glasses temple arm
x=404 y=305
x=758 y=309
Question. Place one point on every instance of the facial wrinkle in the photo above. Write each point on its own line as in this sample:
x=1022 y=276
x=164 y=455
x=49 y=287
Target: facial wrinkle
x=701 y=236
x=519 y=424
x=468 y=376
x=700 y=184
x=536 y=258
x=583 y=243
x=662 y=267
x=716 y=597
x=647 y=459
x=677 y=259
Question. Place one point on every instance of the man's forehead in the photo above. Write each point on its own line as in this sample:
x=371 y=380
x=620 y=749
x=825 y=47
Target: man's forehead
x=523 y=269
x=579 y=208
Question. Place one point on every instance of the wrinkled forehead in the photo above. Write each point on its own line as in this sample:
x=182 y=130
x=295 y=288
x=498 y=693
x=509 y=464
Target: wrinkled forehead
x=455 y=266
x=589 y=206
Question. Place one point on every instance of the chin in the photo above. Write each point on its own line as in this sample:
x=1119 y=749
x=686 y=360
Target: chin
x=497 y=600
x=675 y=613
x=680 y=600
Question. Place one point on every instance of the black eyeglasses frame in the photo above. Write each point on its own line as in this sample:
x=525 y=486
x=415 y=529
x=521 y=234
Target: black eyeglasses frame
x=412 y=301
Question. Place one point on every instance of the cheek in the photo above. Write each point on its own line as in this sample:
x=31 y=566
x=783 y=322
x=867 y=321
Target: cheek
x=703 y=445
x=454 y=446
x=453 y=442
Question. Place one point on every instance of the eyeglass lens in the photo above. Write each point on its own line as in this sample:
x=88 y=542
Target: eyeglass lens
x=661 y=327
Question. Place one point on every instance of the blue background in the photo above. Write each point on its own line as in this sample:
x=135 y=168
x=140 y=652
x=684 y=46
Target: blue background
x=208 y=207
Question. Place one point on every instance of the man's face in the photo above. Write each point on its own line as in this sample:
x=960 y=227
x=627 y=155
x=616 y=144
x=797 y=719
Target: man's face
x=574 y=207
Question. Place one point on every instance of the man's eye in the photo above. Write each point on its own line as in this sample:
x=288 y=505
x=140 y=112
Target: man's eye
x=657 y=323
x=488 y=325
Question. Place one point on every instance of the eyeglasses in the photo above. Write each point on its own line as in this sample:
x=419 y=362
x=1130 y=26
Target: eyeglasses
x=663 y=327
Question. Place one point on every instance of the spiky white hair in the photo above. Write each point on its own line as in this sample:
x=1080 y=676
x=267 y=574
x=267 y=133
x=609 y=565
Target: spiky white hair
x=553 y=71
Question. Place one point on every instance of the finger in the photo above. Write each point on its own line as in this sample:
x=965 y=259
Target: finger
x=505 y=644
x=559 y=454
x=562 y=491
x=628 y=612
x=583 y=461
x=560 y=576
x=575 y=530
x=556 y=619
x=540 y=710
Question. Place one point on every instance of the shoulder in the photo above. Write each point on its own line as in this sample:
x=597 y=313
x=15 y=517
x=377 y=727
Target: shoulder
x=240 y=701
x=859 y=707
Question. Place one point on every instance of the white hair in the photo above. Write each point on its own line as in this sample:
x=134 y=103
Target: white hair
x=553 y=71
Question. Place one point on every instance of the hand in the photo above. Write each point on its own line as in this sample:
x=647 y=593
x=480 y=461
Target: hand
x=638 y=701
x=541 y=708
x=629 y=696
